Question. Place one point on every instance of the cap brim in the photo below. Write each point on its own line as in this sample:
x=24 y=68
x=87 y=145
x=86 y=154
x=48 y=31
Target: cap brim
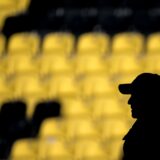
x=125 y=88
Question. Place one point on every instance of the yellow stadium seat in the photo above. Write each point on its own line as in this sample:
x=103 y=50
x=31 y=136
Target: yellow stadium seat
x=93 y=41
x=74 y=107
x=19 y=64
x=88 y=64
x=151 y=63
x=96 y=85
x=49 y=64
x=107 y=107
x=152 y=43
x=113 y=128
x=62 y=85
x=51 y=128
x=24 y=149
x=2 y=44
x=54 y=149
x=24 y=43
x=80 y=129
x=128 y=42
x=30 y=88
x=27 y=85
x=124 y=64
x=58 y=43
x=90 y=150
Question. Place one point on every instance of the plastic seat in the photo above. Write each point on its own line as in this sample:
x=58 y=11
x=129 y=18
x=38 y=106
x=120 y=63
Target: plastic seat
x=113 y=128
x=49 y=64
x=96 y=85
x=24 y=149
x=28 y=87
x=93 y=41
x=19 y=64
x=74 y=107
x=124 y=64
x=27 y=43
x=90 y=150
x=80 y=129
x=128 y=43
x=90 y=63
x=54 y=149
x=104 y=107
x=151 y=63
x=152 y=43
x=51 y=128
x=58 y=43
x=62 y=85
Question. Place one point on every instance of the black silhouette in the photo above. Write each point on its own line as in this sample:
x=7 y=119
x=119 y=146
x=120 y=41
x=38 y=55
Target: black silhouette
x=43 y=110
x=143 y=139
x=13 y=125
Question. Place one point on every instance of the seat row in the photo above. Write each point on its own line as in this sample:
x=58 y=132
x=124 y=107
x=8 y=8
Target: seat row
x=91 y=42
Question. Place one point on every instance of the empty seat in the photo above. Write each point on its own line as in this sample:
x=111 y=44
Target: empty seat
x=27 y=85
x=152 y=43
x=90 y=63
x=93 y=41
x=90 y=150
x=30 y=88
x=151 y=63
x=62 y=85
x=19 y=64
x=24 y=149
x=50 y=64
x=113 y=128
x=54 y=149
x=128 y=42
x=81 y=129
x=58 y=43
x=51 y=128
x=106 y=107
x=24 y=43
x=124 y=64
x=74 y=107
x=96 y=85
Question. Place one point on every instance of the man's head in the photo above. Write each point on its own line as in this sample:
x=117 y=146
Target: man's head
x=145 y=93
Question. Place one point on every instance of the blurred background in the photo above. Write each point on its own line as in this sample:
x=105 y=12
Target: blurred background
x=60 y=65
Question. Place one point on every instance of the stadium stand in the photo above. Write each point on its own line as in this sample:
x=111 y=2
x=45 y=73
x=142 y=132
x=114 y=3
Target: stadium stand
x=60 y=66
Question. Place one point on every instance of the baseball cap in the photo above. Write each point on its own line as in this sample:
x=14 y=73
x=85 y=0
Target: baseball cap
x=145 y=83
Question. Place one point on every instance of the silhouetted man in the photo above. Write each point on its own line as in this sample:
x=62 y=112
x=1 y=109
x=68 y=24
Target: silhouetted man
x=143 y=139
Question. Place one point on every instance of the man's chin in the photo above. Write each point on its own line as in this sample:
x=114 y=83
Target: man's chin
x=134 y=115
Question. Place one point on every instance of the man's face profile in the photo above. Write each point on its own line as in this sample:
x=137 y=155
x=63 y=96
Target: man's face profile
x=137 y=106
